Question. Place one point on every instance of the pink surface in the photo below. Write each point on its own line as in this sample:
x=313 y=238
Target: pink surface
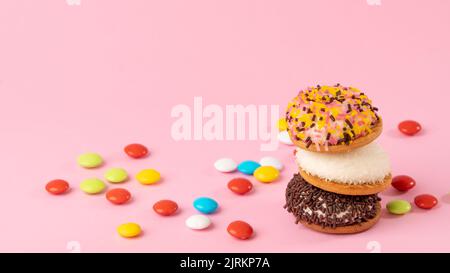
x=104 y=74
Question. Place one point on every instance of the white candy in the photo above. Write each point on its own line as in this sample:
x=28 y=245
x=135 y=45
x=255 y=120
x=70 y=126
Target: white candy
x=284 y=138
x=198 y=221
x=225 y=165
x=271 y=161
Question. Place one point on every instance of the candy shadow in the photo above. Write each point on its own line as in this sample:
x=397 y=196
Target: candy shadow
x=249 y=193
x=129 y=178
x=176 y=213
x=417 y=210
x=445 y=199
x=386 y=215
x=392 y=192
x=161 y=180
x=217 y=211
x=210 y=228
x=139 y=158
x=129 y=202
x=142 y=234
x=280 y=178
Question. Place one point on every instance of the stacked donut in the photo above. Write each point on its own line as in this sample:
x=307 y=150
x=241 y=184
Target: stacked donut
x=341 y=169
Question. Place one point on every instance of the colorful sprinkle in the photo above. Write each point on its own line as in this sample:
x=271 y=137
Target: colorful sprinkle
x=321 y=115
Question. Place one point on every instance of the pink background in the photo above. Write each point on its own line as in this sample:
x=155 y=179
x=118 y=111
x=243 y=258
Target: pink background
x=98 y=76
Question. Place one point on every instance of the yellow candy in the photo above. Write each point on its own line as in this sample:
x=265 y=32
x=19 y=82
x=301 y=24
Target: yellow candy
x=282 y=124
x=266 y=174
x=148 y=177
x=129 y=230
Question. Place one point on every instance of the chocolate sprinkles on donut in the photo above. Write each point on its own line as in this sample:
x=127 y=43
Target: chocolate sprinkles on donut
x=315 y=206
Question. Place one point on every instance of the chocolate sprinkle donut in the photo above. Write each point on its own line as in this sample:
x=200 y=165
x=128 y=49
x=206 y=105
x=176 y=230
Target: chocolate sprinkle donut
x=315 y=206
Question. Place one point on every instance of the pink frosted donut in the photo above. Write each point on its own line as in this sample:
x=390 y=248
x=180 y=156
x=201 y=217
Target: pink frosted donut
x=332 y=119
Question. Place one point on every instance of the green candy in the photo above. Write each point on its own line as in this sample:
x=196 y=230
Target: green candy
x=116 y=175
x=92 y=186
x=90 y=160
x=398 y=207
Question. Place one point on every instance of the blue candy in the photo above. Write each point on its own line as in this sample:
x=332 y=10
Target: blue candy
x=205 y=205
x=248 y=167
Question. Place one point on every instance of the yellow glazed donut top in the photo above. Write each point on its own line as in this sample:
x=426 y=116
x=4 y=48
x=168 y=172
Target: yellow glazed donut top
x=330 y=115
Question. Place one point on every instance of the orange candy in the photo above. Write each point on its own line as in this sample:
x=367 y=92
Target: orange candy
x=425 y=201
x=240 y=185
x=165 y=207
x=57 y=186
x=409 y=127
x=118 y=196
x=136 y=150
x=240 y=230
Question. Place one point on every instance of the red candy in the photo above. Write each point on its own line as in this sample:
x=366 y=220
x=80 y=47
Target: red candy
x=136 y=150
x=425 y=201
x=118 y=196
x=57 y=186
x=240 y=185
x=409 y=127
x=165 y=207
x=403 y=182
x=240 y=230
